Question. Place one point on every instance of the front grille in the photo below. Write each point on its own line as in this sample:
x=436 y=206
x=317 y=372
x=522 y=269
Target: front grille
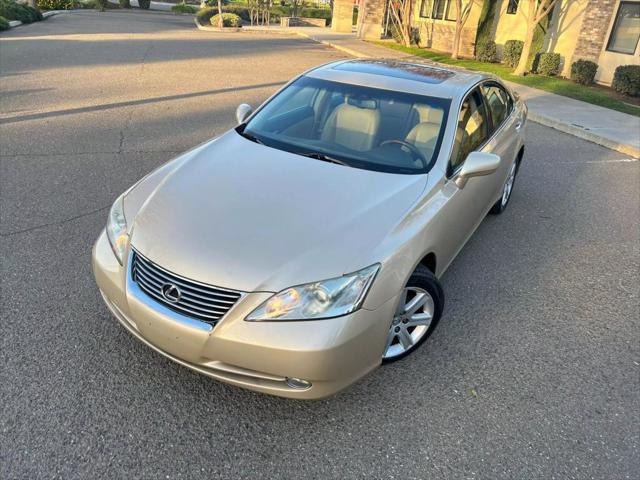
x=196 y=300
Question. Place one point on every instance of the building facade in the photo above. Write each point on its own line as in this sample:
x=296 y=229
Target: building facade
x=603 y=31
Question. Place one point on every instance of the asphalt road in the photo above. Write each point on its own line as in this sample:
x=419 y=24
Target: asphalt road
x=532 y=373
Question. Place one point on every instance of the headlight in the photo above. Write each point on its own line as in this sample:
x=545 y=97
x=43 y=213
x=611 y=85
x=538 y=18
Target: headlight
x=117 y=229
x=313 y=301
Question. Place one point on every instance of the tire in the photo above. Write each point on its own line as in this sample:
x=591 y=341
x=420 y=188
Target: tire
x=422 y=281
x=501 y=205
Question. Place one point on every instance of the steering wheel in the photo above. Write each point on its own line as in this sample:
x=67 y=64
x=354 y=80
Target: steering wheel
x=413 y=150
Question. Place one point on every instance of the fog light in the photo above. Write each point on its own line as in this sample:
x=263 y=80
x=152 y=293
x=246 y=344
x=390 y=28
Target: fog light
x=298 y=383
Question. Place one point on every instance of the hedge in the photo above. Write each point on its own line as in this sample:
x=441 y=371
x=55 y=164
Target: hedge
x=583 y=71
x=57 y=4
x=182 y=8
x=228 y=20
x=124 y=3
x=144 y=4
x=4 y=23
x=626 y=79
x=11 y=10
x=511 y=52
x=549 y=64
x=486 y=51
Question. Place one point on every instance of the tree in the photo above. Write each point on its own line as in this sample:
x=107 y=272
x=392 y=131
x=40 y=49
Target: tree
x=401 y=19
x=295 y=5
x=220 y=20
x=538 y=9
x=462 y=13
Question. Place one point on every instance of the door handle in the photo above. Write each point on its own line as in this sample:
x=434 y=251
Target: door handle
x=518 y=125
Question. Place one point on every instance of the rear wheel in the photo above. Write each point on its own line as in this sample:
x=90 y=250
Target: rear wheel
x=417 y=315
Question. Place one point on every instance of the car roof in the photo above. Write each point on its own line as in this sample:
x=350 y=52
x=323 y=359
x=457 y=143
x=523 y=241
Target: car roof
x=416 y=78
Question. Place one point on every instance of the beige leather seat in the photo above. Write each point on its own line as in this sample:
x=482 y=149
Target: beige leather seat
x=425 y=133
x=353 y=124
x=424 y=136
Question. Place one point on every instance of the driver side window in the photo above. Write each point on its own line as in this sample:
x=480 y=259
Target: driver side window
x=472 y=130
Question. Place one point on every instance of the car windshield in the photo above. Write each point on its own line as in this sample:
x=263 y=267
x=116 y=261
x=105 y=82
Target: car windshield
x=357 y=126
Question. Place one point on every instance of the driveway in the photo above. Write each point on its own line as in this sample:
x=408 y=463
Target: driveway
x=533 y=371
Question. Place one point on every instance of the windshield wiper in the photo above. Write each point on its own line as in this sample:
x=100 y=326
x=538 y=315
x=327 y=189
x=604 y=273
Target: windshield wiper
x=324 y=158
x=251 y=137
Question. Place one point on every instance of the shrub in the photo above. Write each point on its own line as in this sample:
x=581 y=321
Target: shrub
x=228 y=20
x=183 y=8
x=486 y=51
x=315 y=13
x=100 y=5
x=124 y=3
x=241 y=10
x=549 y=64
x=57 y=4
x=11 y=10
x=583 y=71
x=144 y=4
x=511 y=52
x=4 y=24
x=626 y=79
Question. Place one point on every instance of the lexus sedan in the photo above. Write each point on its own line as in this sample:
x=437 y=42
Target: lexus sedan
x=301 y=249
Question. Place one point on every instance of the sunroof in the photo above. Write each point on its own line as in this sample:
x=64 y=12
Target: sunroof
x=407 y=71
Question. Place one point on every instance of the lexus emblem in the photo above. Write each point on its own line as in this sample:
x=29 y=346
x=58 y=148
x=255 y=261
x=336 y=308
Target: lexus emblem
x=171 y=293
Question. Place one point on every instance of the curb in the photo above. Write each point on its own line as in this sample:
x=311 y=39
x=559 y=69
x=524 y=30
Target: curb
x=207 y=28
x=45 y=15
x=584 y=134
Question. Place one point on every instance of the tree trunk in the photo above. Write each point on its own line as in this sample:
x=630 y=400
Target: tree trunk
x=220 y=21
x=523 y=64
x=406 y=21
x=456 y=38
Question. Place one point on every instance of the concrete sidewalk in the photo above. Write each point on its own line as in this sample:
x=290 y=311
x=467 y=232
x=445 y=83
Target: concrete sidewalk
x=609 y=128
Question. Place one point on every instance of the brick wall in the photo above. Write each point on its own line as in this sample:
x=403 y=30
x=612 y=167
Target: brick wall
x=595 y=24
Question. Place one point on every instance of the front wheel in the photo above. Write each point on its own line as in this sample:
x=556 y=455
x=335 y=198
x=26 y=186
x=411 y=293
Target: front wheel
x=418 y=312
x=502 y=202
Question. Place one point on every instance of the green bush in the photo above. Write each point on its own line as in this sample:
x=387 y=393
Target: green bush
x=315 y=13
x=144 y=4
x=511 y=52
x=228 y=20
x=100 y=5
x=4 y=24
x=626 y=79
x=486 y=51
x=583 y=71
x=549 y=64
x=124 y=3
x=183 y=8
x=11 y=10
x=239 y=9
x=57 y=4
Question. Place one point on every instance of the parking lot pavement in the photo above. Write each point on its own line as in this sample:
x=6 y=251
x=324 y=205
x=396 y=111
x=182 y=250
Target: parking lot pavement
x=532 y=373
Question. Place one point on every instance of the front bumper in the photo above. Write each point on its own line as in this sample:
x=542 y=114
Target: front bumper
x=331 y=354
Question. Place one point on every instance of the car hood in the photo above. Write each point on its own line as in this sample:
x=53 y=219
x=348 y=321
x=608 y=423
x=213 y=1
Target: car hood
x=245 y=216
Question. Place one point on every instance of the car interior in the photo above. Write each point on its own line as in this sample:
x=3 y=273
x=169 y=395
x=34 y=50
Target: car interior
x=395 y=130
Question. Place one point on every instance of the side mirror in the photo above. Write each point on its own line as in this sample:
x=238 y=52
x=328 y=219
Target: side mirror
x=477 y=164
x=242 y=112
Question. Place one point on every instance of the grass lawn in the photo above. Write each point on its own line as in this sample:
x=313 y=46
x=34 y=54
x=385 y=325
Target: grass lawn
x=593 y=94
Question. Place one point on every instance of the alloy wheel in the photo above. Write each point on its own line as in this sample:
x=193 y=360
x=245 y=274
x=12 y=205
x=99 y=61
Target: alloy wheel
x=508 y=185
x=410 y=323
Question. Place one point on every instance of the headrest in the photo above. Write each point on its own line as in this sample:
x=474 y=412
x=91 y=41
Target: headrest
x=363 y=102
